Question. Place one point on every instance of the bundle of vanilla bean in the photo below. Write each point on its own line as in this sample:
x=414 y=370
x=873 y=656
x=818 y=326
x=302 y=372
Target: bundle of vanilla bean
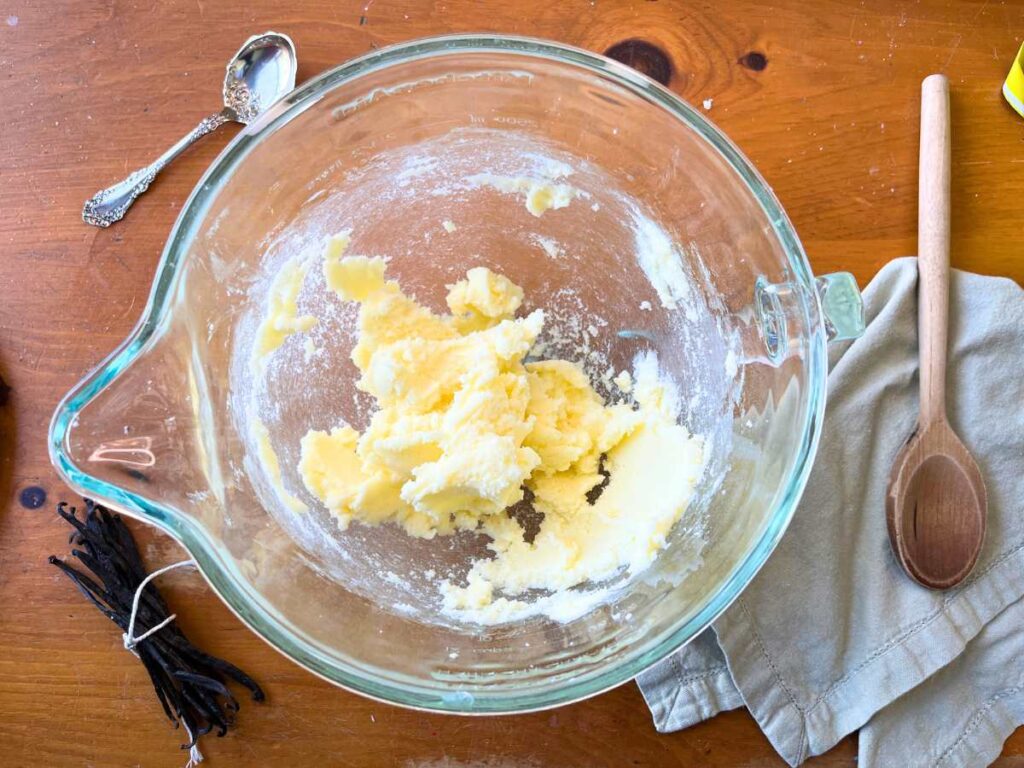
x=191 y=685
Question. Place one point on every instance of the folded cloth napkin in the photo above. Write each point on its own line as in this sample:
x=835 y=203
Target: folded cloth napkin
x=831 y=635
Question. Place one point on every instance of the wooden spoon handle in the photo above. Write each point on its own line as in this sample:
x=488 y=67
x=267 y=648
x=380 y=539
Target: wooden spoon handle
x=933 y=246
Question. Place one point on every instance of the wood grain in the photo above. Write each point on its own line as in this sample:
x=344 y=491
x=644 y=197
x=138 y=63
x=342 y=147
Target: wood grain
x=822 y=97
x=933 y=247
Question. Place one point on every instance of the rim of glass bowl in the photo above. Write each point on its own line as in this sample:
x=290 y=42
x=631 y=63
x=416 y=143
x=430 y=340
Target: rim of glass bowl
x=224 y=578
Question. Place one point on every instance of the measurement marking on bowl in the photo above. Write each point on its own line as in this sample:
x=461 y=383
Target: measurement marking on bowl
x=132 y=452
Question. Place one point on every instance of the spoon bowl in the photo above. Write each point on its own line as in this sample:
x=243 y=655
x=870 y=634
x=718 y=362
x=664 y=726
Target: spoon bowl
x=260 y=73
x=936 y=508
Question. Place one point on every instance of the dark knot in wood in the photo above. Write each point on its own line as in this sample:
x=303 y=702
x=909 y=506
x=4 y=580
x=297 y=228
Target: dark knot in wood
x=644 y=57
x=754 y=60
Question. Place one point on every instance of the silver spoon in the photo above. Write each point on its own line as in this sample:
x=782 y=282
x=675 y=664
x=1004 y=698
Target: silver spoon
x=260 y=73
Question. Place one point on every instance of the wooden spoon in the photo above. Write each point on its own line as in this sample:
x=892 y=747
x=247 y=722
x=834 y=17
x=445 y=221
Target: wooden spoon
x=936 y=501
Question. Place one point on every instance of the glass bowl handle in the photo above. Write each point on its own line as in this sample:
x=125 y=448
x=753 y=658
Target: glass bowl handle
x=842 y=308
x=780 y=311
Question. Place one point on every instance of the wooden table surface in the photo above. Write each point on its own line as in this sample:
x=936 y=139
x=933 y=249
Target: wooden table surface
x=823 y=97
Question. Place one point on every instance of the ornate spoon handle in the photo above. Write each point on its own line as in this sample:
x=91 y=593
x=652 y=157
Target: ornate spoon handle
x=111 y=204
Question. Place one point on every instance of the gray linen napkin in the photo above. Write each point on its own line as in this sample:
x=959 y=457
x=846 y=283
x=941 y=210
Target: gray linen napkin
x=831 y=636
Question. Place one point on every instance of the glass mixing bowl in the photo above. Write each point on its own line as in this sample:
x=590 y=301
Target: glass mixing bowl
x=389 y=145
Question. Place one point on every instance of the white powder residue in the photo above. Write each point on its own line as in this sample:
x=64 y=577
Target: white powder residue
x=414 y=167
x=662 y=263
x=548 y=167
x=449 y=226
x=549 y=245
x=731 y=368
x=394 y=579
x=562 y=606
x=652 y=388
x=309 y=350
x=567 y=335
x=708 y=103
x=645 y=306
x=694 y=403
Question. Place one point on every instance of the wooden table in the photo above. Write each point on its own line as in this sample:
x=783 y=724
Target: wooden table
x=822 y=96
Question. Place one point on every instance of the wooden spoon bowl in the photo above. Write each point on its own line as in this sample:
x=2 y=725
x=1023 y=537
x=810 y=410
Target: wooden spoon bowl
x=935 y=508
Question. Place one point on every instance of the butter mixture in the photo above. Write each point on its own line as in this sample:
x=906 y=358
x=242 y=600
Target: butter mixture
x=465 y=428
x=283 y=317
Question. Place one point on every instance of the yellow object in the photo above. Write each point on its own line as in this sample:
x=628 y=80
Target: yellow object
x=282 y=318
x=463 y=425
x=624 y=382
x=482 y=300
x=268 y=458
x=540 y=194
x=1013 y=88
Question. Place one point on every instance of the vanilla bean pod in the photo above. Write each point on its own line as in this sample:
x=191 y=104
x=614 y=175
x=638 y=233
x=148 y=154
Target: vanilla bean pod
x=190 y=685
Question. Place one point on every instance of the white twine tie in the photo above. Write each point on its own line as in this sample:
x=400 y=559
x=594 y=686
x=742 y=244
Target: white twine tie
x=130 y=640
x=195 y=757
